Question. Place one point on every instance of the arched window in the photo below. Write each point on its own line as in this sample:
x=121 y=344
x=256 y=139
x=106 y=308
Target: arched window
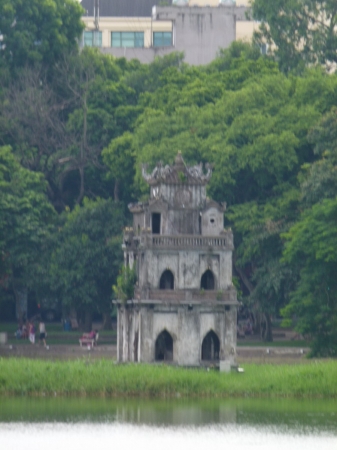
x=164 y=347
x=156 y=223
x=210 y=347
x=207 y=281
x=166 y=280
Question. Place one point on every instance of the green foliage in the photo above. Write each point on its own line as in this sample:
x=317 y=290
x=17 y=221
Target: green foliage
x=86 y=255
x=120 y=160
x=125 y=286
x=303 y=31
x=25 y=220
x=89 y=123
x=311 y=244
x=38 y=31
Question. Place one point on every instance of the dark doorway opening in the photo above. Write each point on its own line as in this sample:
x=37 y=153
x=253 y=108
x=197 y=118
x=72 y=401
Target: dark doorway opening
x=164 y=347
x=156 y=223
x=166 y=280
x=207 y=281
x=210 y=348
x=135 y=347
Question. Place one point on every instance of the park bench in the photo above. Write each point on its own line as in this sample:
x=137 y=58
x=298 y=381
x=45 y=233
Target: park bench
x=86 y=340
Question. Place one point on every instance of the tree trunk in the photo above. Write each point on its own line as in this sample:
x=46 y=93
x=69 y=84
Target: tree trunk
x=81 y=193
x=269 y=332
x=88 y=321
x=116 y=191
x=243 y=277
x=107 y=322
x=21 y=302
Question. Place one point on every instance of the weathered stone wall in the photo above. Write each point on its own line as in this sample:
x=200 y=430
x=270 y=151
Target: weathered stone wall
x=188 y=326
x=186 y=266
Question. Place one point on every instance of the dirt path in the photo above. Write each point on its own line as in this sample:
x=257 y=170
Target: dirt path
x=65 y=352
x=248 y=354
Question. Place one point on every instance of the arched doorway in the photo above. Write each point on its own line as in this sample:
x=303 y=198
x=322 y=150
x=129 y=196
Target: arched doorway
x=210 y=347
x=166 y=280
x=164 y=347
x=207 y=281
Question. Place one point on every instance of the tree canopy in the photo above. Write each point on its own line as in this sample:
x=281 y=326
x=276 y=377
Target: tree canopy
x=303 y=32
x=38 y=31
x=26 y=218
x=85 y=257
x=76 y=126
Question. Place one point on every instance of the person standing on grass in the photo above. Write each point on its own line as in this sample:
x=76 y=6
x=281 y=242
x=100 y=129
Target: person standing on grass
x=31 y=329
x=42 y=330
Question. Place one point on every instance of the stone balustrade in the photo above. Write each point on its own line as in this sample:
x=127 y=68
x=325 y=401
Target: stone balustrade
x=186 y=296
x=186 y=241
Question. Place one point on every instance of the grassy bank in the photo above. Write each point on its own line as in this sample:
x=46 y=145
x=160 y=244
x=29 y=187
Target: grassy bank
x=105 y=378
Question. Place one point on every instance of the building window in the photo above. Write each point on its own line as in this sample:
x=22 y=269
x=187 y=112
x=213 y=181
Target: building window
x=210 y=348
x=166 y=280
x=207 y=281
x=156 y=223
x=164 y=347
x=92 y=39
x=127 y=39
x=263 y=49
x=162 y=39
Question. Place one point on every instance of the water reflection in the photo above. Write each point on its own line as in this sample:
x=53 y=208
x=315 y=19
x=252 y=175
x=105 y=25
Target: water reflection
x=78 y=436
x=291 y=414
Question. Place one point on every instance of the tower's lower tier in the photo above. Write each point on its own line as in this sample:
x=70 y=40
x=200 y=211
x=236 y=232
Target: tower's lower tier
x=183 y=334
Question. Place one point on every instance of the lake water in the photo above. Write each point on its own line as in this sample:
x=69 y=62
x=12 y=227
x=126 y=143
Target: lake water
x=54 y=423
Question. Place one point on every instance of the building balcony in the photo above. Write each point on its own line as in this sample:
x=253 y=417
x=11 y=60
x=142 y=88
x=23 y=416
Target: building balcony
x=186 y=241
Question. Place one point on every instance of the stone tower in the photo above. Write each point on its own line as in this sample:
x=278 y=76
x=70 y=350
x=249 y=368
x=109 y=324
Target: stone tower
x=184 y=308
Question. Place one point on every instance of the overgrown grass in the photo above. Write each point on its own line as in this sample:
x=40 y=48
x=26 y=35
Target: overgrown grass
x=105 y=378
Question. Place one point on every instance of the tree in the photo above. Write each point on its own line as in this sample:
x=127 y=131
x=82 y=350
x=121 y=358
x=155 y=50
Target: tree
x=25 y=220
x=310 y=248
x=33 y=122
x=254 y=130
x=303 y=32
x=103 y=107
x=119 y=158
x=86 y=257
x=58 y=124
x=267 y=280
x=38 y=31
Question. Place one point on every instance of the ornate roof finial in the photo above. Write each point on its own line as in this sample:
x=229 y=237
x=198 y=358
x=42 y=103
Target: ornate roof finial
x=172 y=174
x=179 y=163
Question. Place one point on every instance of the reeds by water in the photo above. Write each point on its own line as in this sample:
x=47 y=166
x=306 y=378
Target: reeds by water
x=19 y=376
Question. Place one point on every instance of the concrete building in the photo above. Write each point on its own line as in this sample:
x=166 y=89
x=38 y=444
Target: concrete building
x=143 y=29
x=184 y=308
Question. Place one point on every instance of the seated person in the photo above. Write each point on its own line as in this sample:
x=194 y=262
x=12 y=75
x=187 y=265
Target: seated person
x=18 y=333
x=24 y=334
x=90 y=335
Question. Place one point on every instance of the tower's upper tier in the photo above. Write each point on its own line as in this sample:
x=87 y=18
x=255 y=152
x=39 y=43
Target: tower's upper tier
x=178 y=202
x=178 y=173
x=179 y=185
